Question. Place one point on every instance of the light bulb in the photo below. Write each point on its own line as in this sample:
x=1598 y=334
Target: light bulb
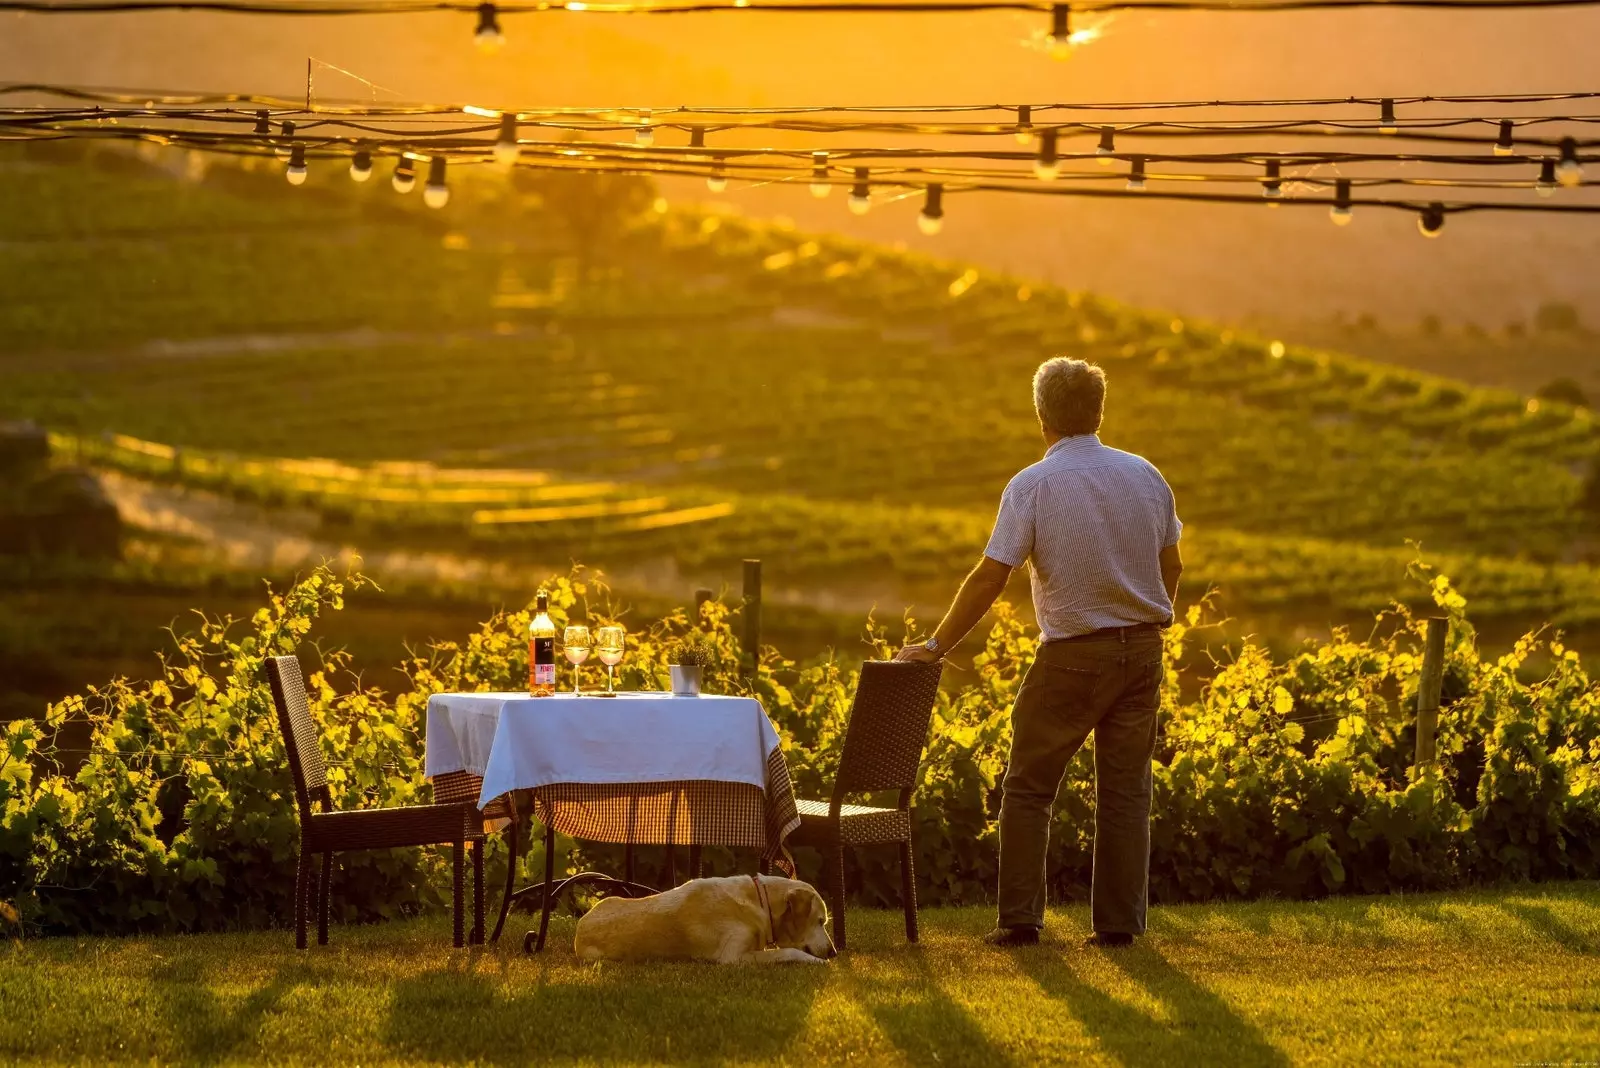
x=1340 y=213
x=436 y=194
x=1569 y=172
x=263 y=124
x=718 y=181
x=861 y=193
x=1107 y=148
x=1271 y=186
x=931 y=219
x=488 y=35
x=1025 y=124
x=506 y=149
x=361 y=165
x=819 y=175
x=1059 y=41
x=1136 y=175
x=1503 y=145
x=644 y=134
x=286 y=134
x=1431 y=221
x=1047 y=166
x=405 y=176
x=1386 y=123
x=1545 y=184
x=297 y=166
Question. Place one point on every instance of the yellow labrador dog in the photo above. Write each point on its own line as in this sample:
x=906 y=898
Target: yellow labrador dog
x=754 y=919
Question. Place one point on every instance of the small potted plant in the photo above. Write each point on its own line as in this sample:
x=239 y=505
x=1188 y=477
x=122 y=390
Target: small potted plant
x=688 y=658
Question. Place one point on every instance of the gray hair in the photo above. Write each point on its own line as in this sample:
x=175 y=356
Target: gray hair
x=1069 y=395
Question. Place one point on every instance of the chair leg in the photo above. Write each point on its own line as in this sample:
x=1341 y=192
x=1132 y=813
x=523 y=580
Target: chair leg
x=477 y=892
x=302 y=876
x=460 y=857
x=836 y=890
x=322 y=899
x=908 y=888
x=549 y=881
x=511 y=881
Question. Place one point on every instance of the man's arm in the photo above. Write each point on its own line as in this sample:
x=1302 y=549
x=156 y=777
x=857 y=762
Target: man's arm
x=979 y=590
x=1171 y=570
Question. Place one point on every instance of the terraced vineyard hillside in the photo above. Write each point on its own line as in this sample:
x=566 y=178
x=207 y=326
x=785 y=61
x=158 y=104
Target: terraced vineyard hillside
x=699 y=388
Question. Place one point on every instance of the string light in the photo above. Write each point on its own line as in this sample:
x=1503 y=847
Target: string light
x=286 y=136
x=1431 y=221
x=1048 y=166
x=1059 y=42
x=296 y=172
x=436 y=194
x=1545 y=184
x=361 y=165
x=931 y=219
x=1025 y=124
x=820 y=186
x=1341 y=212
x=488 y=36
x=861 y=193
x=697 y=137
x=1271 y=185
x=1136 y=174
x=644 y=134
x=1107 y=147
x=1569 y=172
x=506 y=148
x=1503 y=145
x=719 y=177
x=1386 y=123
x=405 y=175
x=263 y=124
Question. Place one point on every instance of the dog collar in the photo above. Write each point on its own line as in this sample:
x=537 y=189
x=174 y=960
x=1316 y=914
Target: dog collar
x=772 y=927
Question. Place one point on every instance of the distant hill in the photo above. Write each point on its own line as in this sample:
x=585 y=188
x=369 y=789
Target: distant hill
x=702 y=387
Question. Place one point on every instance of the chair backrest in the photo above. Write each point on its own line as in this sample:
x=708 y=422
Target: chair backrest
x=888 y=727
x=300 y=739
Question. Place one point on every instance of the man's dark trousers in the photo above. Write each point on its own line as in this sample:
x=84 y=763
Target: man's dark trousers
x=1111 y=686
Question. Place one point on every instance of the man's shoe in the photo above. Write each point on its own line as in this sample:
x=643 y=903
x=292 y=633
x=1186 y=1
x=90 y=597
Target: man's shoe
x=1108 y=940
x=1010 y=937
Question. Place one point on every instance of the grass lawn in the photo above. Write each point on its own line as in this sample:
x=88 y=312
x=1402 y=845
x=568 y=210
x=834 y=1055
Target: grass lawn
x=1505 y=977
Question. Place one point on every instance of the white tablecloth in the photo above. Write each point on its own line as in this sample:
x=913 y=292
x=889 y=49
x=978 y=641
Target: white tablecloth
x=517 y=742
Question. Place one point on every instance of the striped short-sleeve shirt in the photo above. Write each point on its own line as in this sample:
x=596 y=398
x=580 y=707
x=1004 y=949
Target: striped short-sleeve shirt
x=1091 y=521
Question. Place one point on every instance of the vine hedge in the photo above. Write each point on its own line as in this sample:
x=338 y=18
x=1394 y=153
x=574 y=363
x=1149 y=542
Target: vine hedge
x=164 y=805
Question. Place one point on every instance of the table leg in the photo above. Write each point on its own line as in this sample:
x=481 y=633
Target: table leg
x=511 y=878
x=549 y=879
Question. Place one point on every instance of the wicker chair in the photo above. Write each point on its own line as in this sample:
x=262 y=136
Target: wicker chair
x=882 y=747
x=328 y=832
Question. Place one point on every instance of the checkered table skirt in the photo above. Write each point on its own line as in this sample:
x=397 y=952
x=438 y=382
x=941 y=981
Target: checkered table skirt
x=692 y=812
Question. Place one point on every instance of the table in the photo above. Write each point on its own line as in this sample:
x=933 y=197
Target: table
x=639 y=768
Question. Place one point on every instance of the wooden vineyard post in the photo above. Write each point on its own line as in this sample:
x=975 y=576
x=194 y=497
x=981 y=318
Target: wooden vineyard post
x=750 y=635
x=701 y=596
x=1429 y=688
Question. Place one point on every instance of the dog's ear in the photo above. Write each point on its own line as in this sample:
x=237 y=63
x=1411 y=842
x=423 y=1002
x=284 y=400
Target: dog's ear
x=797 y=906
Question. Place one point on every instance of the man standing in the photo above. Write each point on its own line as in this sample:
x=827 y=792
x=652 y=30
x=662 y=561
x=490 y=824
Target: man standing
x=1100 y=529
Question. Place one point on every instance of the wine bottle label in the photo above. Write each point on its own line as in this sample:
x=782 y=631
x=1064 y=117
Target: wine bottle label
x=542 y=654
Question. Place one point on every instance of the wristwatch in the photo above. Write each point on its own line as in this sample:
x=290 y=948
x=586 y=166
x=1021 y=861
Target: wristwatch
x=932 y=645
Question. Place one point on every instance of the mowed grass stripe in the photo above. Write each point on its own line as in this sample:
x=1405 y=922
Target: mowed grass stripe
x=1497 y=977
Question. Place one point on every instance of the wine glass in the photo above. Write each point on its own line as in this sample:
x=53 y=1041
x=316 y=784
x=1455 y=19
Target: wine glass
x=575 y=644
x=609 y=642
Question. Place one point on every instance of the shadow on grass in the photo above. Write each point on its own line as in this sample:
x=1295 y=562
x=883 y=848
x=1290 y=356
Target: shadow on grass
x=207 y=1032
x=923 y=1022
x=1546 y=923
x=1200 y=1026
x=674 y=1013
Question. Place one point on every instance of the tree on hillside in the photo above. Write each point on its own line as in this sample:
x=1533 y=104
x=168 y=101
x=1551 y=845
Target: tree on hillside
x=1557 y=318
x=1565 y=390
x=589 y=210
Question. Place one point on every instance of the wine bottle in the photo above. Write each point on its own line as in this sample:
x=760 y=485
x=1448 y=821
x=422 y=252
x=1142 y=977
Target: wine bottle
x=541 y=649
